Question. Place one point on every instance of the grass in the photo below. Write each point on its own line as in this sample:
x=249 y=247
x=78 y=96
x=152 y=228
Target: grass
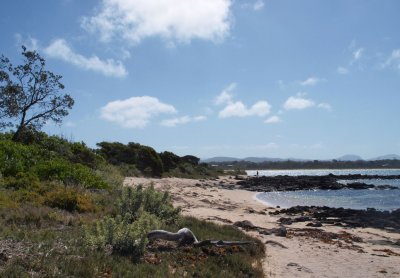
x=52 y=191
x=42 y=241
x=51 y=245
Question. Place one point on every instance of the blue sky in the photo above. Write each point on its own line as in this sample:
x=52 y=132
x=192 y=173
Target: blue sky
x=303 y=79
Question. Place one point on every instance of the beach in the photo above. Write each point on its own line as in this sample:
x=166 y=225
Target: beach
x=302 y=251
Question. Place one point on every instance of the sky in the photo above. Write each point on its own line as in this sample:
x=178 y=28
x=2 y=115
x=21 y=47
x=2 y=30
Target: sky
x=270 y=78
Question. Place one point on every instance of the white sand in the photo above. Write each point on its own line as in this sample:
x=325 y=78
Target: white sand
x=304 y=256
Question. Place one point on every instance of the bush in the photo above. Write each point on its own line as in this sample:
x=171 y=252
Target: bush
x=17 y=158
x=124 y=236
x=134 y=200
x=22 y=180
x=69 y=199
x=69 y=174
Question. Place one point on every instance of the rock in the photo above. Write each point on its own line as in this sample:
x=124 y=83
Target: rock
x=281 y=231
x=316 y=224
x=290 y=183
x=389 y=221
x=302 y=219
x=285 y=221
x=245 y=224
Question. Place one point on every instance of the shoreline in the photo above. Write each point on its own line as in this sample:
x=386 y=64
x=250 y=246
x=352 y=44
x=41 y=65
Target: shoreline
x=326 y=251
x=262 y=201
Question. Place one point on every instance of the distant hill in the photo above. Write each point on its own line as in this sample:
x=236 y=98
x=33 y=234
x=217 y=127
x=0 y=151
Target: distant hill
x=385 y=157
x=349 y=157
x=220 y=159
x=260 y=159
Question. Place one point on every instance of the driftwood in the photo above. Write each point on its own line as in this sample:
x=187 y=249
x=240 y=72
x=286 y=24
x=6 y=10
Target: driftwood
x=185 y=236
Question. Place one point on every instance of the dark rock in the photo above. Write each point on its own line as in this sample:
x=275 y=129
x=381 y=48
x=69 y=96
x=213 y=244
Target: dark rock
x=348 y=217
x=359 y=185
x=302 y=219
x=316 y=224
x=245 y=224
x=285 y=221
x=281 y=231
x=290 y=183
x=386 y=187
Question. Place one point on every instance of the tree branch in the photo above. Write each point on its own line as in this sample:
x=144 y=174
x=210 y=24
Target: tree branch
x=186 y=236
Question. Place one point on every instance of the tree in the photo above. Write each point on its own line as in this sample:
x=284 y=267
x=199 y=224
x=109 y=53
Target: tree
x=30 y=95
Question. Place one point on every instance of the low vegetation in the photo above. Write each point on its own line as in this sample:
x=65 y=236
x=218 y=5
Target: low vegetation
x=64 y=213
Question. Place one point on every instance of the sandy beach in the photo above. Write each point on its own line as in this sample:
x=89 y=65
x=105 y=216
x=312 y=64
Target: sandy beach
x=301 y=253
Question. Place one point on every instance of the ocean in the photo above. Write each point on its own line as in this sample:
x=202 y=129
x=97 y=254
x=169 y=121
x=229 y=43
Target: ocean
x=346 y=198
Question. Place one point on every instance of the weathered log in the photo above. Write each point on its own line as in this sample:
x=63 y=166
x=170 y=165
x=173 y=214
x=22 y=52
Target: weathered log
x=185 y=236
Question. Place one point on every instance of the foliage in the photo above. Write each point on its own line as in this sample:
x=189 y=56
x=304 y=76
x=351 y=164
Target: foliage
x=69 y=199
x=149 y=158
x=29 y=94
x=135 y=200
x=69 y=174
x=123 y=235
x=190 y=159
x=150 y=163
x=169 y=160
x=16 y=158
x=140 y=210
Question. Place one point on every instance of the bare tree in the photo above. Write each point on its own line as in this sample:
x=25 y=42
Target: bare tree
x=30 y=95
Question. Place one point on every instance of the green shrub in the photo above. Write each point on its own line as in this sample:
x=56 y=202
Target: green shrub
x=133 y=200
x=111 y=175
x=69 y=199
x=124 y=236
x=69 y=174
x=22 y=180
x=16 y=158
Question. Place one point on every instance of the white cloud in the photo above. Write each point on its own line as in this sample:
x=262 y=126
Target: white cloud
x=342 y=70
x=238 y=109
x=325 y=106
x=135 y=112
x=59 y=49
x=394 y=59
x=311 y=81
x=298 y=103
x=258 y=5
x=29 y=42
x=358 y=54
x=173 y=20
x=226 y=95
x=182 y=120
x=273 y=120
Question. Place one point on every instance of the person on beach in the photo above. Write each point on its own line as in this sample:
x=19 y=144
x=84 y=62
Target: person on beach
x=257 y=174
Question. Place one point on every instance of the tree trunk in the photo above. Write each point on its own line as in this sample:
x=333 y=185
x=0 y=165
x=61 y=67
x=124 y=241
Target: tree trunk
x=185 y=236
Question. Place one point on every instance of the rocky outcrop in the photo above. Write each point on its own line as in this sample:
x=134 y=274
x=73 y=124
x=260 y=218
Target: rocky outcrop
x=291 y=183
x=341 y=217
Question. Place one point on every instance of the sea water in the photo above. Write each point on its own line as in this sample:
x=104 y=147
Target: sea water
x=346 y=198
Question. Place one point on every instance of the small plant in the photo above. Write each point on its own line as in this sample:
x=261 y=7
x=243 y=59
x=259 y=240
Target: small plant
x=125 y=237
x=69 y=199
x=157 y=203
